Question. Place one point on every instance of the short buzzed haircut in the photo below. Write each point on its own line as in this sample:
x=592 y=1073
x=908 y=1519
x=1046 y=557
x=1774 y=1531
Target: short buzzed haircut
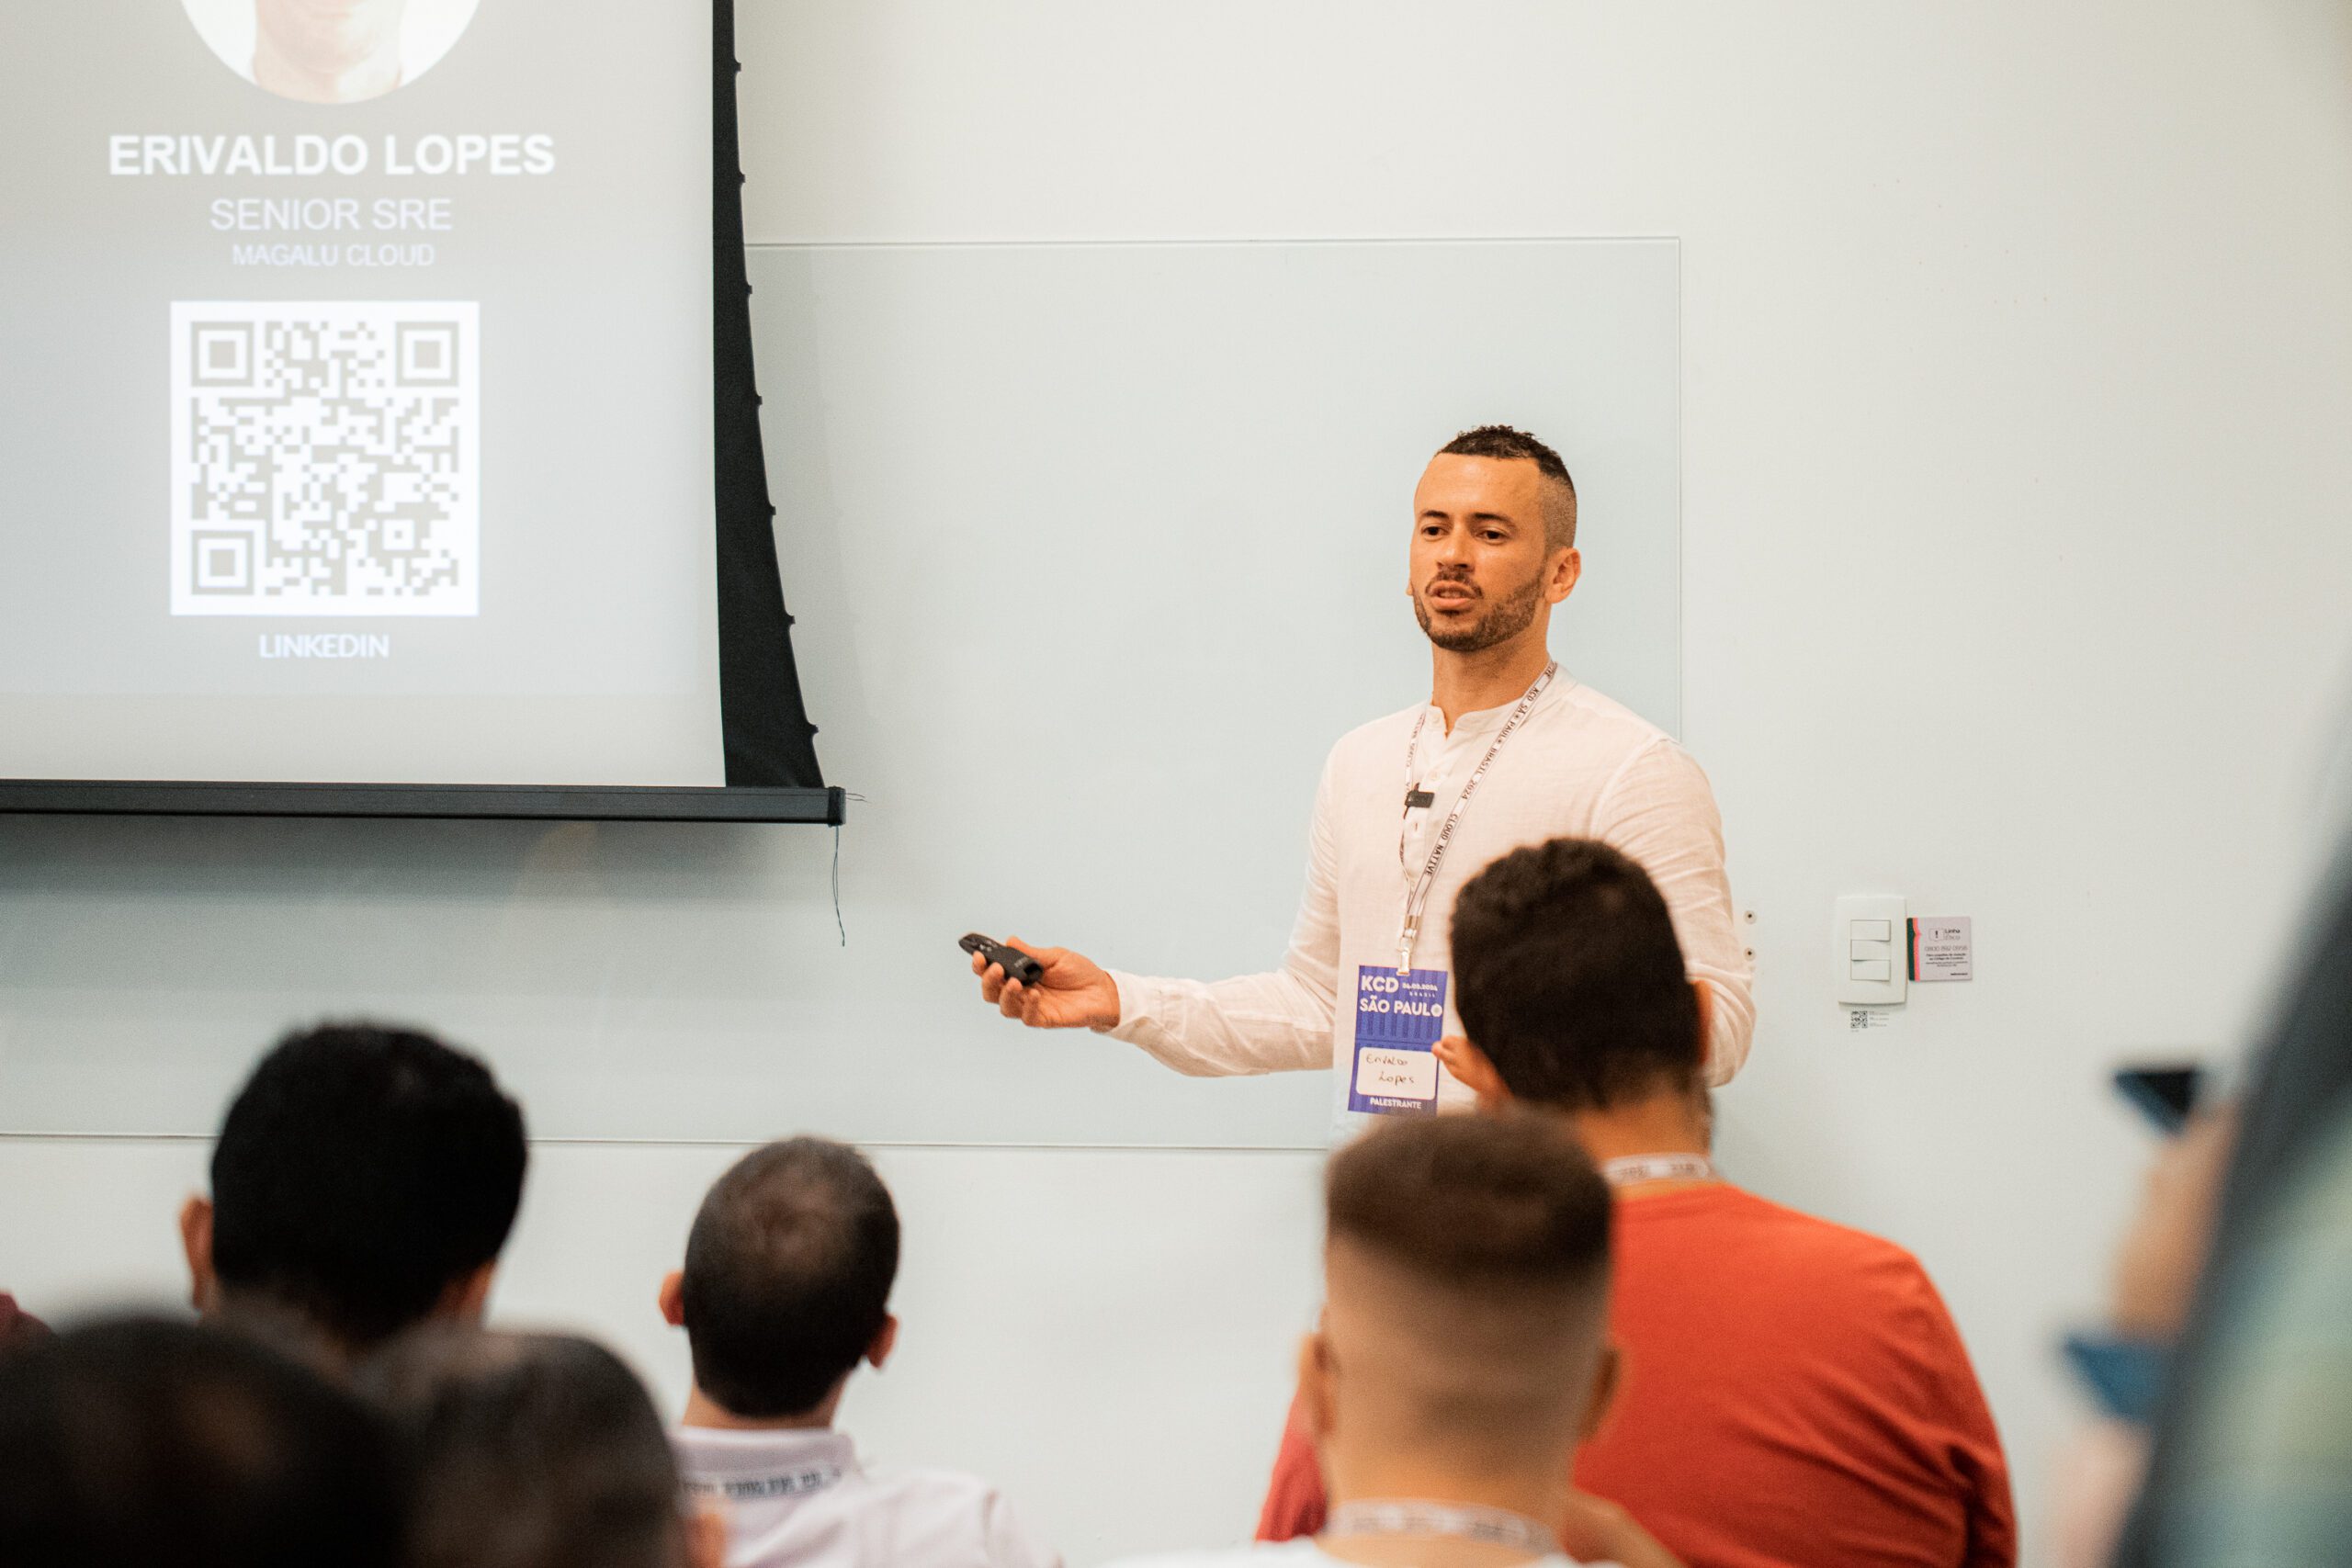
x=1570 y=979
x=787 y=1277
x=1479 y=1204
x=526 y=1450
x=361 y=1171
x=131 y=1443
x=1509 y=445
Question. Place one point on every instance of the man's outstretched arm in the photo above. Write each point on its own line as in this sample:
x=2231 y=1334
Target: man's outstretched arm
x=1278 y=1021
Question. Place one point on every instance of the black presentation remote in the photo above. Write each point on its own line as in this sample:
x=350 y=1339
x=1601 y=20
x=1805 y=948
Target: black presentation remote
x=1016 y=965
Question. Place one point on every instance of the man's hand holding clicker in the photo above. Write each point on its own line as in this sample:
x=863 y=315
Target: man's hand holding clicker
x=1073 y=993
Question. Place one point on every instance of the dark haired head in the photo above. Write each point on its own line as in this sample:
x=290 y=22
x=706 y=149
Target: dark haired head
x=787 y=1277
x=130 y=1443
x=1467 y=1291
x=1568 y=978
x=1506 y=445
x=361 y=1172
x=526 y=1450
x=1479 y=1204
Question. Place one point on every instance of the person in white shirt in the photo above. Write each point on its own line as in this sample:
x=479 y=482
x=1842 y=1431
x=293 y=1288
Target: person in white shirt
x=786 y=1292
x=1462 y=1355
x=1509 y=751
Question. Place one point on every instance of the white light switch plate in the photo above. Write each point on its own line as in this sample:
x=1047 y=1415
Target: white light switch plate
x=1868 y=937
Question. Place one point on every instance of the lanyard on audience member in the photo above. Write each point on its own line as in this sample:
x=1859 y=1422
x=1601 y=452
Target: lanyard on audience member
x=1496 y=1527
x=785 y=1484
x=1417 y=895
x=1633 y=1169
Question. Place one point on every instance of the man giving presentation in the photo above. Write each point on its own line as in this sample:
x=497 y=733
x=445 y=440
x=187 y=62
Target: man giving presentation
x=1511 y=750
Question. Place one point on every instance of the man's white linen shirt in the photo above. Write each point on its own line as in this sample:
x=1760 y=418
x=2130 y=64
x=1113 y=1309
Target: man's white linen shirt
x=800 y=1499
x=1579 y=765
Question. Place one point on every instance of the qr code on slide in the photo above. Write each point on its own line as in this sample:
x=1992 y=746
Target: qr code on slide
x=325 y=458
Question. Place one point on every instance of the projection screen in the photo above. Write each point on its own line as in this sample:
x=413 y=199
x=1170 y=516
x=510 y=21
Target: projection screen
x=377 y=416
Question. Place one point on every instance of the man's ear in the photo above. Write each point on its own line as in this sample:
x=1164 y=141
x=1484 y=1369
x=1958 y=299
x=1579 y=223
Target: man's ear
x=673 y=1299
x=1471 y=1068
x=1316 y=1406
x=1706 y=995
x=467 y=1297
x=1605 y=1374
x=1560 y=574
x=885 y=1340
x=196 y=1241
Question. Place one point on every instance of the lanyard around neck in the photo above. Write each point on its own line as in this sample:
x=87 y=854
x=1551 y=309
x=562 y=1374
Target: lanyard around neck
x=1634 y=1168
x=1496 y=1527
x=1417 y=897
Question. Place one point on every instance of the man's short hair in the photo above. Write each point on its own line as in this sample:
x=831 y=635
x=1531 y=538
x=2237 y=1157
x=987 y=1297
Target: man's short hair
x=1568 y=977
x=526 y=1450
x=1503 y=442
x=788 y=1274
x=360 y=1172
x=1478 y=1204
x=131 y=1443
x=1466 y=1277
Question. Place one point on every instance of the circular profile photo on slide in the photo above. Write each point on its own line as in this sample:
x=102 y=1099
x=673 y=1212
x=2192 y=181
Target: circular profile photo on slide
x=331 y=51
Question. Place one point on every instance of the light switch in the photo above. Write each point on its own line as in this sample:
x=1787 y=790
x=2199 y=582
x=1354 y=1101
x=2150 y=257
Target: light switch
x=1868 y=968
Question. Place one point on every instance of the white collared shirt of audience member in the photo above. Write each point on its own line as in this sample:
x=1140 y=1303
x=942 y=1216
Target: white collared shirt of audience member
x=800 y=1499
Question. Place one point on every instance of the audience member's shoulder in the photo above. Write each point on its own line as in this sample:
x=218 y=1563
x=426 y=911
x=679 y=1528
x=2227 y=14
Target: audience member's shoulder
x=949 y=1489
x=1890 y=1273
x=962 y=1507
x=1265 y=1554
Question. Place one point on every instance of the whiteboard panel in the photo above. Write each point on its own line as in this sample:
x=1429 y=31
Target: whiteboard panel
x=1094 y=548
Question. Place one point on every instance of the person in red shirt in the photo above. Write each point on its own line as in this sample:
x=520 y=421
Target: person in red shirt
x=1794 y=1393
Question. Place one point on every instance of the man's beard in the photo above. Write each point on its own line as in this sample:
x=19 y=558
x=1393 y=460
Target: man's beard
x=1504 y=619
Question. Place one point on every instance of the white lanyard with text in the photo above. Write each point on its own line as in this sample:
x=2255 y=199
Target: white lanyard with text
x=1496 y=1527
x=790 y=1484
x=1633 y=1169
x=1417 y=896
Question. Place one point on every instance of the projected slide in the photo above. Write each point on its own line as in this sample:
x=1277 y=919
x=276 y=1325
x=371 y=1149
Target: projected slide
x=356 y=392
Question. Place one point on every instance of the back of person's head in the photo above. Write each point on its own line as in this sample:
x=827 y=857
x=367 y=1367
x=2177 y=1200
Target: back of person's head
x=788 y=1278
x=130 y=1444
x=1466 y=1294
x=528 y=1451
x=362 y=1175
x=1569 y=980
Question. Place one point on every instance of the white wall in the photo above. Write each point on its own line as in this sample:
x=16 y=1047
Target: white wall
x=2018 y=356
x=2017 y=359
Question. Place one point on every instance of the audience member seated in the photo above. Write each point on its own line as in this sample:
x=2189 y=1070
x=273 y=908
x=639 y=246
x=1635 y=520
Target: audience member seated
x=19 y=1327
x=532 y=1452
x=1461 y=1354
x=364 y=1179
x=132 y=1444
x=1794 y=1392
x=785 y=1291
